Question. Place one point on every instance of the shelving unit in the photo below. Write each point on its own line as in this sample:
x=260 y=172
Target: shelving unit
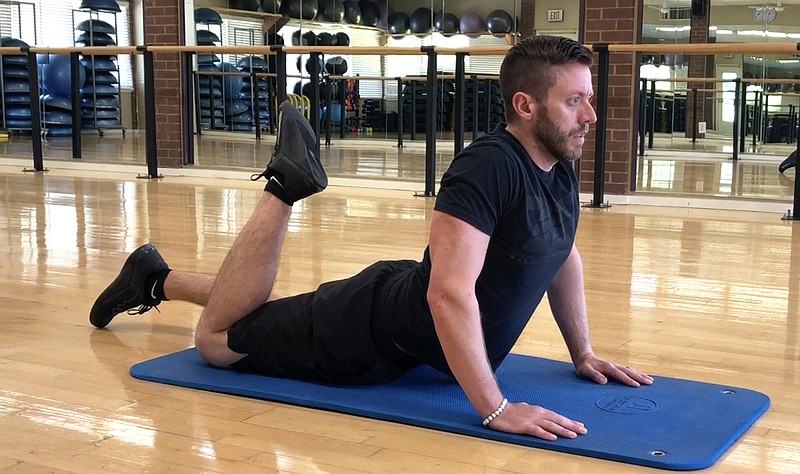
x=418 y=93
x=15 y=108
x=483 y=105
x=257 y=93
x=211 y=105
x=100 y=96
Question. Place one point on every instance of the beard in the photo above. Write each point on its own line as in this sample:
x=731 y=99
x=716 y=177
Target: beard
x=556 y=141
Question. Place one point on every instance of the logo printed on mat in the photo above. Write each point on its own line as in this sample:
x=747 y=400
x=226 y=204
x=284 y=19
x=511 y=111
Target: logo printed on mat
x=626 y=405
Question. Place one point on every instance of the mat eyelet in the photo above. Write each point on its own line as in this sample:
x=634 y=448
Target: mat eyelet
x=658 y=453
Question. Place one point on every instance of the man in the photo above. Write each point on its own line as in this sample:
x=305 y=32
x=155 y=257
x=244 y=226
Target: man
x=502 y=234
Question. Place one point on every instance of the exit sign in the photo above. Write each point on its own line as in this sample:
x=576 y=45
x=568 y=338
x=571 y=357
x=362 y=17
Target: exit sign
x=555 y=15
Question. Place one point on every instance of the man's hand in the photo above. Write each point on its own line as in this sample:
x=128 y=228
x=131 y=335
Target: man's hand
x=521 y=418
x=590 y=367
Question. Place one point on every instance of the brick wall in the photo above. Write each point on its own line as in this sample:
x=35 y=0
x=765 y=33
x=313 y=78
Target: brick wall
x=612 y=22
x=526 y=11
x=162 y=22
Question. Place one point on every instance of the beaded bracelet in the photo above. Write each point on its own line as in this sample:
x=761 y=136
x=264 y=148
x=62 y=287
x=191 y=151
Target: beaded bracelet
x=496 y=413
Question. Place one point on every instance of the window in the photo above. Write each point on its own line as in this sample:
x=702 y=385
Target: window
x=52 y=23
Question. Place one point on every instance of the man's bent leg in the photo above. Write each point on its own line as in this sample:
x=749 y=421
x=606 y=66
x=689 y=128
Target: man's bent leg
x=248 y=271
x=246 y=276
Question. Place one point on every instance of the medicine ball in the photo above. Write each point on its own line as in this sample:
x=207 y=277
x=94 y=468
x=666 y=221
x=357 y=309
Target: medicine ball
x=330 y=10
x=336 y=66
x=352 y=12
x=370 y=13
x=445 y=23
x=398 y=24
x=250 y=5
x=472 y=24
x=499 y=22
x=320 y=64
x=270 y=6
x=325 y=39
x=302 y=9
x=421 y=21
x=310 y=38
x=341 y=39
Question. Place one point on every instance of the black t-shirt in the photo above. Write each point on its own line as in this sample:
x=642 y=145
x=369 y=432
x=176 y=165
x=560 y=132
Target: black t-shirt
x=531 y=217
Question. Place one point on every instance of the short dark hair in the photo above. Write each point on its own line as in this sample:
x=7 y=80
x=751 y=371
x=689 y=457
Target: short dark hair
x=527 y=66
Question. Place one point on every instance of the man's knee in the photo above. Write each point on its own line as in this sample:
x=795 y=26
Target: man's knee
x=213 y=347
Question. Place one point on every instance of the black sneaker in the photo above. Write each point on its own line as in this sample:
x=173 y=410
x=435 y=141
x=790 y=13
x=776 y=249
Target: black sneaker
x=294 y=172
x=128 y=290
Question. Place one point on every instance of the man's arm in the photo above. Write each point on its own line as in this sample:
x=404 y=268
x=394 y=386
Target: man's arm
x=568 y=304
x=457 y=252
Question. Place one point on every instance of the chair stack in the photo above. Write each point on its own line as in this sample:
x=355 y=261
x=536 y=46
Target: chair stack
x=100 y=95
x=15 y=109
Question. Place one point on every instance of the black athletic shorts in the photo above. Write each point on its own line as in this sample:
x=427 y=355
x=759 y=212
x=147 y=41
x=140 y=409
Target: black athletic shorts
x=331 y=335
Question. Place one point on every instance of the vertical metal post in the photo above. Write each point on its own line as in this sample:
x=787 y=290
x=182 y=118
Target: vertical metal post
x=198 y=118
x=736 y=118
x=756 y=124
x=315 y=96
x=151 y=154
x=75 y=100
x=327 y=101
x=430 y=125
x=272 y=85
x=342 y=105
x=651 y=120
x=458 y=144
x=694 y=115
x=642 y=114
x=280 y=65
x=36 y=119
x=743 y=117
x=399 y=112
x=475 y=107
x=187 y=104
x=413 y=84
x=254 y=105
x=600 y=128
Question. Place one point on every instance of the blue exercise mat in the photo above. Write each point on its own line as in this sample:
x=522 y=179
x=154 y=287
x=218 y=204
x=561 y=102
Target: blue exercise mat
x=673 y=424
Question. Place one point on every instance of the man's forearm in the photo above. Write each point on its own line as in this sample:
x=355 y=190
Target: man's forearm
x=568 y=304
x=461 y=336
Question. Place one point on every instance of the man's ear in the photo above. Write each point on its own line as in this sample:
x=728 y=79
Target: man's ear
x=524 y=105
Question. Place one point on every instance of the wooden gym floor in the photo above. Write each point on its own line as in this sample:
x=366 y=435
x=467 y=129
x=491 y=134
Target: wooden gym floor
x=702 y=294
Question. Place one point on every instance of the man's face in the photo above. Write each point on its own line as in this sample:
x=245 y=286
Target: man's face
x=562 y=120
